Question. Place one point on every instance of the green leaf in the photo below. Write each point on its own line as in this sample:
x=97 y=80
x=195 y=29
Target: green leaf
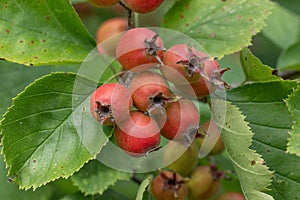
x=293 y=103
x=142 y=188
x=283 y=27
x=221 y=27
x=254 y=69
x=289 y=58
x=49 y=132
x=253 y=175
x=268 y=116
x=292 y=5
x=95 y=178
x=10 y=191
x=108 y=195
x=14 y=78
x=42 y=32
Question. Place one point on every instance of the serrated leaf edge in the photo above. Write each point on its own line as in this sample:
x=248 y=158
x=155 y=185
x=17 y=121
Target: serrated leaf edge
x=104 y=189
x=34 y=187
x=260 y=62
x=260 y=158
x=289 y=149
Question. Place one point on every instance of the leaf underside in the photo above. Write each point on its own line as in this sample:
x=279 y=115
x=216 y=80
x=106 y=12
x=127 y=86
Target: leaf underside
x=237 y=136
x=293 y=103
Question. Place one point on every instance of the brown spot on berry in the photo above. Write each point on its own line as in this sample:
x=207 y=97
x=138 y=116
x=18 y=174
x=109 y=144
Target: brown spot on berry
x=34 y=161
x=181 y=17
x=31 y=42
x=21 y=41
x=7 y=31
x=212 y=35
x=47 y=17
x=44 y=40
x=45 y=50
x=187 y=24
x=35 y=57
x=246 y=59
x=253 y=162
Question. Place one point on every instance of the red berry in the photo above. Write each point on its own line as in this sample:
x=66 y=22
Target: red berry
x=149 y=91
x=181 y=118
x=139 y=46
x=142 y=6
x=105 y=104
x=204 y=183
x=108 y=32
x=103 y=3
x=213 y=140
x=169 y=186
x=231 y=196
x=197 y=90
x=184 y=64
x=138 y=134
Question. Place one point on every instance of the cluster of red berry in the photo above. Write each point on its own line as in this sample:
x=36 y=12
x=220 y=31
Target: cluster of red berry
x=158 y=110
x=144 y=106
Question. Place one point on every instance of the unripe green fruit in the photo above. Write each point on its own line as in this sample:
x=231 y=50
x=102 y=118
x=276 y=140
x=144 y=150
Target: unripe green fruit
x=231 y=196
x=200 y=182
x=185 y=164
x=212 y=138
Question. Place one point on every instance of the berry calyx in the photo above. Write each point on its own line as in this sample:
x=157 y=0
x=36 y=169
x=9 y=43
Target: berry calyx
x=105 y=104
x=181 y=120
x=149 y=91
x=139 y=46
x=141 y=6
x=169 y=186
x=138 y=135
x=103 y=3
x=187 y=63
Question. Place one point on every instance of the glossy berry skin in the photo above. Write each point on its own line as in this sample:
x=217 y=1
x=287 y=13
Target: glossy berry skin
x=186 y=162
x=203 y=185
x=103 y=3
x=197 y=90
x=164 y=187
x=132 y=50
x=149 y=89
x=231 y=196
x=142 y=6
x=138 y=135
x=184 y=64
x=108 y=35
x=213 y=139
x=181 y=117
x=105 y=104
